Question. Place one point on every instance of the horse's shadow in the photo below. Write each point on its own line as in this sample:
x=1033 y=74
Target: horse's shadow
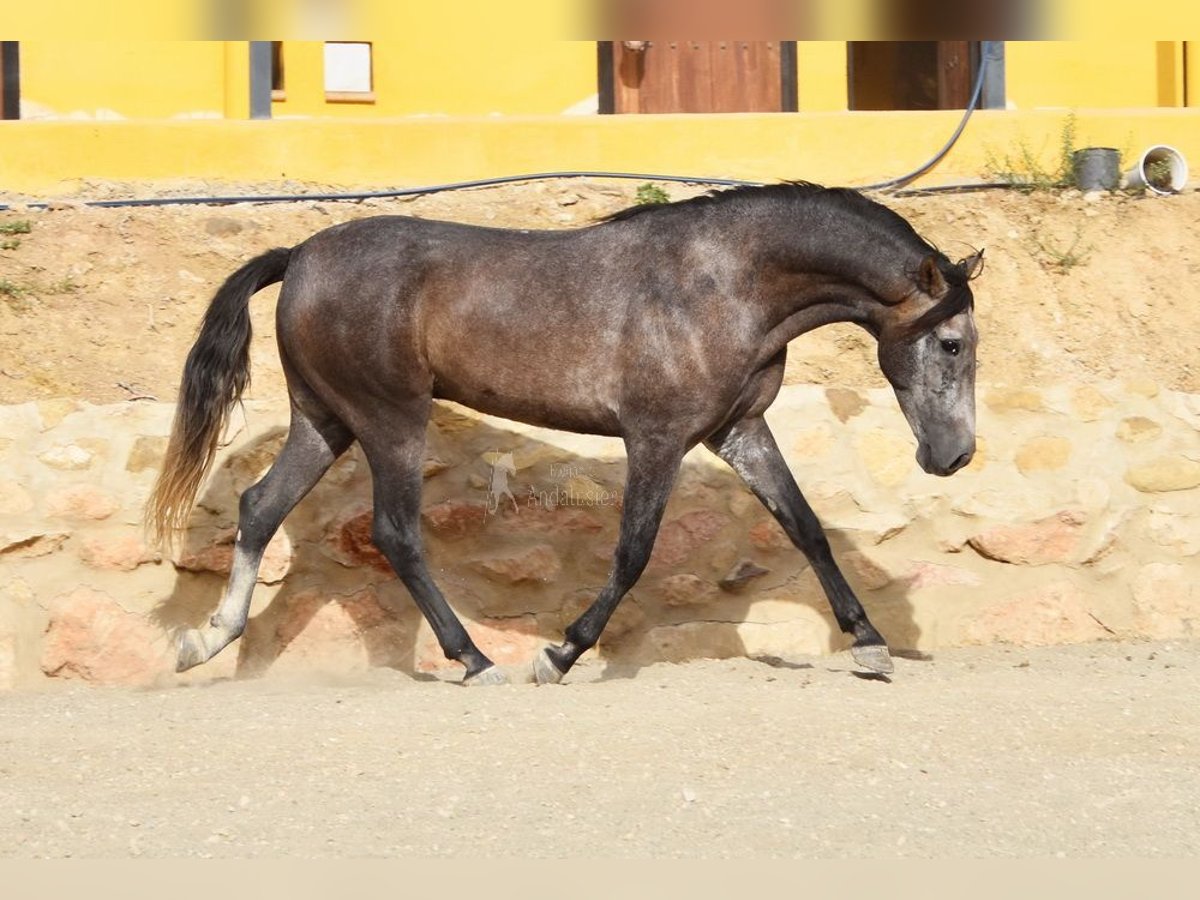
x=332 y=602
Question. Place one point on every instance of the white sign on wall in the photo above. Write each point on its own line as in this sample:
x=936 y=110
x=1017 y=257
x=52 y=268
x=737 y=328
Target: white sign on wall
x=347 y=67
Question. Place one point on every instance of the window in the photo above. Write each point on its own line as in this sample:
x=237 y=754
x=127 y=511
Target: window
x=348 y=72
x=278 y=91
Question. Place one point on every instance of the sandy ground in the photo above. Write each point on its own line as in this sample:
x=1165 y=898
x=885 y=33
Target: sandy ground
x=1084 y=751
x=1078 y=751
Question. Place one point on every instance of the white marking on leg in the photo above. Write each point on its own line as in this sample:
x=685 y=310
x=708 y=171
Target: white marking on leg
x=229 y=621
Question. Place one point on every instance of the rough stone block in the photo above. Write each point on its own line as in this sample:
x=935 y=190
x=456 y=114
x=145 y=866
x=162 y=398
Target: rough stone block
x=1043 y=454
x=1138 y=430
x=14 y=499
x=455 y=518
x=1089 y=404
x=888 y=457
x=539 y=564
x=1053 y=613
x=146 y=454
x=92 y=638
x=115 y=551
x=1014 y=399
x=30 y=542
x=81 y=501
x=1165 y=474
x=67 y=457
x=1051 y=540
x=686 y=589
x=1166 y=601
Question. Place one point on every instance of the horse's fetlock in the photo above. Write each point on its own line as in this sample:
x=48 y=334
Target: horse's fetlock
x=227 y=626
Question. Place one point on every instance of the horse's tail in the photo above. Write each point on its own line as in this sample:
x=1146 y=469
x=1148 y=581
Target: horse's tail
x=215 y=374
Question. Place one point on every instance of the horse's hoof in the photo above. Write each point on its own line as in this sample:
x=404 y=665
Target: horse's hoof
x=191 y=650
x=874 y=657
x=488 y=676
x=544 y=669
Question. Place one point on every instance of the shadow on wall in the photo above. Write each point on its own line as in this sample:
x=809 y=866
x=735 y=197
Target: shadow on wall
x=519 y=534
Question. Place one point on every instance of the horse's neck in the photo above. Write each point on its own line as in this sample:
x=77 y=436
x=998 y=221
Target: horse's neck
x=842 y=274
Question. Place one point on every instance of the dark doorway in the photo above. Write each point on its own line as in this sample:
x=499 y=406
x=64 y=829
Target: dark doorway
x=912 y=74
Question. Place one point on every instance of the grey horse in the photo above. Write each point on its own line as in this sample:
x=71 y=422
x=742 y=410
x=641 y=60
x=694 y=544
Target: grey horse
x=666 y=326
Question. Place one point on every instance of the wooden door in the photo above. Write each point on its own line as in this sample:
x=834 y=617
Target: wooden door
x=955 y=74
x=697 y=76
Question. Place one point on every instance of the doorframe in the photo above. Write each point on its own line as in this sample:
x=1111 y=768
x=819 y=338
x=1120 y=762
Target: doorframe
x=789 y=96
x=788 y=73
x=604 y=74
x=995 y=79
x=10 y=80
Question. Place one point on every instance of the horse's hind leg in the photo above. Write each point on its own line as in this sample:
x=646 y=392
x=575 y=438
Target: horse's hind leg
x=653 y=465
x=396 y=453
x=310 y=449
x=749 y=447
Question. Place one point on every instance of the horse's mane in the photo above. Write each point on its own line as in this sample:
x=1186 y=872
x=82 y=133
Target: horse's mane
x=787 y=191
x=876 y=215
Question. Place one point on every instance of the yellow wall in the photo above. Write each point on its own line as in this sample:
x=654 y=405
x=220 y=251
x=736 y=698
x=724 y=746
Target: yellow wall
x=438 y=72
x=1102 y=74
x=1192 y=72
x=425 y=66
x=834 y=148
x=821 y=73
x=131 y=79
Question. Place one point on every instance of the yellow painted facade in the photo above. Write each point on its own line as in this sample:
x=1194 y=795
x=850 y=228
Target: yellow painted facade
x=426 y=68
x=833 y=148
x=500 y=98
x=437 y=73
x=1098 y=74
x=127 y=79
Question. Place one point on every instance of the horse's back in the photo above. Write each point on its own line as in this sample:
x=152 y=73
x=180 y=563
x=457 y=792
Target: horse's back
x=457 y=310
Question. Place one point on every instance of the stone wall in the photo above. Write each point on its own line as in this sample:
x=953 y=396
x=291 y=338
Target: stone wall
x=1079 y=520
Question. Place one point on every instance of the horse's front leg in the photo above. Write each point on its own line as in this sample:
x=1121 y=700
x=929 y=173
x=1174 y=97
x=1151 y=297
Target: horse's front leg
x=750 y=449
x=653 y=465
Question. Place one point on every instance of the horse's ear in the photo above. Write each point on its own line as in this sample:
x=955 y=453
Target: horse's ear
x=930 y=279
x=972 y=266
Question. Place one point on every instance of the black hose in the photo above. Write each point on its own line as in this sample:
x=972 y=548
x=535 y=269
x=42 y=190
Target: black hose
x=889 y=185
x=399 y=192
x=976 y=92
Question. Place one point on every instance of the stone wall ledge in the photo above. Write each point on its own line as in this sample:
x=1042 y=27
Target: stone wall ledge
x=1078 y=520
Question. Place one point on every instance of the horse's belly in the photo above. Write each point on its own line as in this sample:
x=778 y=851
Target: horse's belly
x=535 y=400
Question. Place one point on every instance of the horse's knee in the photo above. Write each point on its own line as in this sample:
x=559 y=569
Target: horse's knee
x=397 y=542
x=807 y=535
x=254 y=530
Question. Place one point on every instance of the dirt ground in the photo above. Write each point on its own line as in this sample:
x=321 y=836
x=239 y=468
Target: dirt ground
x=102 y=304
x=1085 y=751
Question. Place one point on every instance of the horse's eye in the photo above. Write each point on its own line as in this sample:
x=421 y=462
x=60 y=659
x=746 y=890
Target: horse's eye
x=952 y=347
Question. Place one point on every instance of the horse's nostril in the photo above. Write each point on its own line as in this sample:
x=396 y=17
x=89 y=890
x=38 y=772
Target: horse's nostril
x=960 y=462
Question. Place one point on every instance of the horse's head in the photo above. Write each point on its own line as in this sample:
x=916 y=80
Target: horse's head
x=927 y=351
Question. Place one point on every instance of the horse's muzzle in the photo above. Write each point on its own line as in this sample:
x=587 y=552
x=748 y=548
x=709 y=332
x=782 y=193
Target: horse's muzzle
x=933 y=466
